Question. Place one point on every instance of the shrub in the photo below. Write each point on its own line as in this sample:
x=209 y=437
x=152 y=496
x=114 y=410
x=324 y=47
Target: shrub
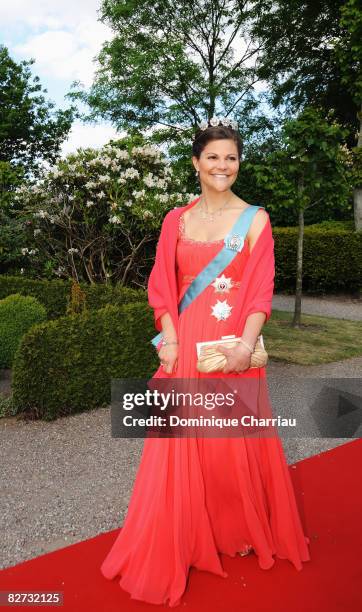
x=17 y=315
x=66 y=366
x=56 y=295
x=6 y=406
x=94 y=215
x=332 y=261
x=52 y=294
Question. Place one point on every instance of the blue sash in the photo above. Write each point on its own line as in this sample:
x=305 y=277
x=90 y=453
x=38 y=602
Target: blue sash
x=233 y=244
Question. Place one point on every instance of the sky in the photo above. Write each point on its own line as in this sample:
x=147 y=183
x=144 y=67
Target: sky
x=63 y=36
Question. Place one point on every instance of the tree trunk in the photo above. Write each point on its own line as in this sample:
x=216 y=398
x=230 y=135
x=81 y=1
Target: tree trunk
x=299 y=280
x=357 y=198
x=357 y=194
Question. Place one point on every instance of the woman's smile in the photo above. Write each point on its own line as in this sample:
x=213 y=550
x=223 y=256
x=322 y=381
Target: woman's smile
x=218 y=166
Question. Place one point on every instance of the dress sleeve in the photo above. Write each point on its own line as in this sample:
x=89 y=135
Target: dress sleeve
x=262 y=281
x=155 y=286
x=158 y=312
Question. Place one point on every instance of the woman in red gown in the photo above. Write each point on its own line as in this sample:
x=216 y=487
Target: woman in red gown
x=197 y=497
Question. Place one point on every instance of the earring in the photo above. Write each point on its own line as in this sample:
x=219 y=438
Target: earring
x=197 y=173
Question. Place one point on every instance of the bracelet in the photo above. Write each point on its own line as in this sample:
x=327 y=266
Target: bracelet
x=247 y=346
x=166 y=342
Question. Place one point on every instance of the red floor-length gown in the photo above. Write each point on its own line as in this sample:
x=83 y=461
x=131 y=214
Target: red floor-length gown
x=194 y=498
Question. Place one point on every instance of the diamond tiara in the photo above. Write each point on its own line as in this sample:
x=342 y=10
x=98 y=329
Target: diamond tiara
x=215 y=121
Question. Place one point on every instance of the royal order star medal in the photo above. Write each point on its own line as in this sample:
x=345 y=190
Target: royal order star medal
x=235 y=242
x=221 y=310
x=222 y=284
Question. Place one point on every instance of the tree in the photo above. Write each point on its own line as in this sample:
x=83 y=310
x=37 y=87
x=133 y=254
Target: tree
x=312 y=166
x=311 y=51
x=11 y=229
x=30 y=132
x=172 y=64
x=348 y=51
x=298 y=59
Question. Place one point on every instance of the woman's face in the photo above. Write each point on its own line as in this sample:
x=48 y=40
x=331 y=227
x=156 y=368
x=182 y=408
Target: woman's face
x=218 y=164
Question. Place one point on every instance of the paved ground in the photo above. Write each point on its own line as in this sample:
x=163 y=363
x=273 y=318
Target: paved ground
x=69 y=480
x=341 y=307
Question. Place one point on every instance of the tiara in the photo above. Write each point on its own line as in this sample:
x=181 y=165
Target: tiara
x=215 y=121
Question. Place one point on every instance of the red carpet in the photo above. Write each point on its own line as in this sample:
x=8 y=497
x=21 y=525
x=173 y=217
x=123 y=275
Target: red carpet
x=329 y=496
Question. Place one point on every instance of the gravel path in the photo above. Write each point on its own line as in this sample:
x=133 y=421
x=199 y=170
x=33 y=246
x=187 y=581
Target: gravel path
x=341 y=307
x=62 y=482
x=69 y=480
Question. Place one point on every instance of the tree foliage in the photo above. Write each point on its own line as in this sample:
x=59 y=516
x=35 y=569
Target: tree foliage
x=11 y=230
x=299 y=60
x=30 y=130
x=348 y=49
x=173 y=64
x=311 y=168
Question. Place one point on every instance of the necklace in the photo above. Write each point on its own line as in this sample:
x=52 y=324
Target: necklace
x=210 y=216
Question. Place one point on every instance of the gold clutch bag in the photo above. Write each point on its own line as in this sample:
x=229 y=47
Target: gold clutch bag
x=210 y=360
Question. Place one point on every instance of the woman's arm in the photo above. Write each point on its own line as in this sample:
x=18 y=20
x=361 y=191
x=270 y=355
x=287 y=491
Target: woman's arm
x=238 y=358
x=253 y=327
x=168 y=353
x=168 y=328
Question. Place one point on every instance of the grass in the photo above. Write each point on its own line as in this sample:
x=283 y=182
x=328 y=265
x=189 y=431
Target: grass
x=318 y=340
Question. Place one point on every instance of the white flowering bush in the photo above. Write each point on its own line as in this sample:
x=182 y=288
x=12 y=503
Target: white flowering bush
x=96 y=215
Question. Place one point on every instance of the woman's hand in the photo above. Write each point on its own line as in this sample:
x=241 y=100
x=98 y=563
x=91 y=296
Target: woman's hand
x=168 y=355
x=237 y=358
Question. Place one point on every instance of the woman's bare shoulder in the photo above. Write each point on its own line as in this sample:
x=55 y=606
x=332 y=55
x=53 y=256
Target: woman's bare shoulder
x=239 y=203
x=260 y=220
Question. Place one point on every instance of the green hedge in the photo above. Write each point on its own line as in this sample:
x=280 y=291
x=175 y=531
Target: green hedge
x=17 y=315
x=66 y=366
x=54 y=294
x=332 y=263
x=332 y=260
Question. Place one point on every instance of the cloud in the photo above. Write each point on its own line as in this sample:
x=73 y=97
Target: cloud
x=65 y=54
x=85 y=135
x=64 y=38
x=47 y=13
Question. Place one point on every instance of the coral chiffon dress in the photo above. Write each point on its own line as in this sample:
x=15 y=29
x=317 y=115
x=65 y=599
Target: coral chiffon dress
x=195 y=498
